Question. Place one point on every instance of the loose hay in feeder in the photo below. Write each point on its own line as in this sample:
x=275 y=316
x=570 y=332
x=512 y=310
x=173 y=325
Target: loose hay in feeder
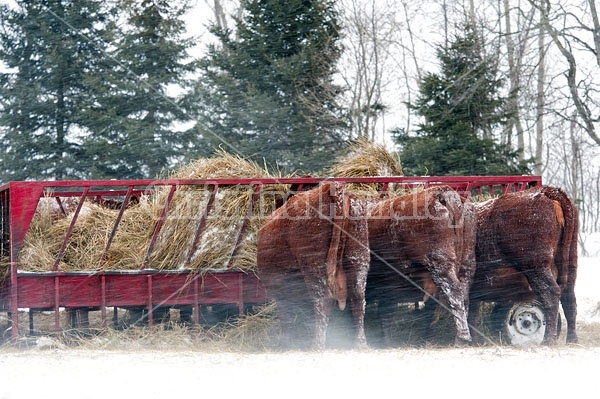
x=364 y=158
x=85 y=249
x=217 y=247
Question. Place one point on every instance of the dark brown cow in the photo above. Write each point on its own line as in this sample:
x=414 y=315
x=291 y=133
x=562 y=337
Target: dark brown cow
x=314 y=250
x=422 y=245
x=526 y=249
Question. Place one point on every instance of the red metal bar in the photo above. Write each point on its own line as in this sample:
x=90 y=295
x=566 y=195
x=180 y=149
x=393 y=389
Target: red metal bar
x=201 y=225
x=60 y=206
x=14 y=297
x=150 y=301
x=158 y=227
x=63 y=246
x=411 y=180
x=240 y=234
x=23 y=200
x=56 y=304
x=196 y=300
x=103 y=301
x=384 y=190
x=115 y=227
x=240 y=294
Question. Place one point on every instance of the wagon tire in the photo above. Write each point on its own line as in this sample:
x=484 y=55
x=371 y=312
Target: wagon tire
x=524 y=323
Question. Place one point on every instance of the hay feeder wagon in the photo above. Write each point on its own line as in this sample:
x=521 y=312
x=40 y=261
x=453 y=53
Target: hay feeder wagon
x=101 y=289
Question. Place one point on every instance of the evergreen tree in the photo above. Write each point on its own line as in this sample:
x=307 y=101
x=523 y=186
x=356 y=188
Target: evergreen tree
x=461 y=107
x=267 y=91
x=49 y=49
x=134 y=118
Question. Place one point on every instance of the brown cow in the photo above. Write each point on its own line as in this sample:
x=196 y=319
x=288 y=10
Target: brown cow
x=526 y=249
x=314 y=250
x=422 y=244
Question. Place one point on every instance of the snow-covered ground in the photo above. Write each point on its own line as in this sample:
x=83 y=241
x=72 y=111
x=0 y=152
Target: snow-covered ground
x=490 y=372
x=587 y=290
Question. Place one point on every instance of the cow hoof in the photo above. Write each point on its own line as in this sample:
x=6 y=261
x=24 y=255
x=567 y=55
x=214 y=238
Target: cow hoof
x=572 y=339
x=361 y=345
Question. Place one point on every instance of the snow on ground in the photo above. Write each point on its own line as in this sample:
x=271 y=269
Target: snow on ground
x=469 y=372
x=587 y=290
x=490 y=372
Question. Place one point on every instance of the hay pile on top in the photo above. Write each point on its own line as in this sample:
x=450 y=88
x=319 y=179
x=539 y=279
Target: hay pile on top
x=364 y=158
x=216 y=246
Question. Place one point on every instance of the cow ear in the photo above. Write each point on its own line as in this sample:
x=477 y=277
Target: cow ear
x=441 y=198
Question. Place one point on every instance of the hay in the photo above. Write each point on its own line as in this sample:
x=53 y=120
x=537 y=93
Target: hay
x=221 y=165
x=365 y=158
x=216 y=247
x=86 y=246
x=43 y=240
x=257 y=331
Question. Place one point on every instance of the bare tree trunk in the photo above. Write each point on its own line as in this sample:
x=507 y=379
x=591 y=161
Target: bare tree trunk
x=596 y=212
x=445 y=13
x=596 y=32
x=575 y=165
x=369 y=38
x=412 y=38
x=220 y=17
x=582 y=110
x=540 y=100
x=514 y=66
x=472 y=15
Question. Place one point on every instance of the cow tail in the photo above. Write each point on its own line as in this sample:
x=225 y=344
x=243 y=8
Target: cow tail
x=336 y=278
x=566 y=216
x=451 y=200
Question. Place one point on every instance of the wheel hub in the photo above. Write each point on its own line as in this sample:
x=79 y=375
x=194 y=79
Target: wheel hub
x=526 y=324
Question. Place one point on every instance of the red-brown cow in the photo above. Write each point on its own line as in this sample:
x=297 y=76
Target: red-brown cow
x=526 y=249
x=422 y=244
x=314 y=249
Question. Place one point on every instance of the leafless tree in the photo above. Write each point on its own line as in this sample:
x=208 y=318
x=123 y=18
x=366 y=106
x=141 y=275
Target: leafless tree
x=516 y=46
x=370 y=30
x=570 y=32
x=540 y=100
x=223 y=10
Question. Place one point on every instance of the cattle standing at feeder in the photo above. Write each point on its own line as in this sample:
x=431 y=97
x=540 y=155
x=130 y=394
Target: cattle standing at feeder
x=313 y=251
x=527 y=249
x=422 y=244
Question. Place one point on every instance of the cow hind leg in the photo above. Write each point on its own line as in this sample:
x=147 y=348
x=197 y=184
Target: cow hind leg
x=474 y=318
x=569 y=305
x=323 y=302
x=287 y=311
x=544 y=285
x=357 y=306
x=322 y=307
x=294 y=309
x=385 y=314
x=455 y=294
